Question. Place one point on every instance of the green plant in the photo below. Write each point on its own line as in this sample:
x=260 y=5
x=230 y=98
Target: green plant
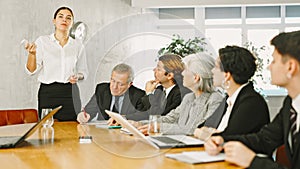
x=183 y=48
x=259 y=53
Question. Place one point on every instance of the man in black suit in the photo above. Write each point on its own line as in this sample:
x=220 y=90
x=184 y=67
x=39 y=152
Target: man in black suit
x=284 y=129
x=166 y=91
x=119 y=96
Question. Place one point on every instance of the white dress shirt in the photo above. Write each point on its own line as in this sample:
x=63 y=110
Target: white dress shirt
x=56 y=63
x=168 y=90
x=230 y=102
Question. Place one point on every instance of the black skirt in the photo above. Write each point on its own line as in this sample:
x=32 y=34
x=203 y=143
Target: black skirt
x=56 y=94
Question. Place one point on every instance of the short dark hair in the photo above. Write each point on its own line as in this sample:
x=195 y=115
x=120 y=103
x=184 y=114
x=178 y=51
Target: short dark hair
x=63 y=8
x=288 y=44
x=239 y=61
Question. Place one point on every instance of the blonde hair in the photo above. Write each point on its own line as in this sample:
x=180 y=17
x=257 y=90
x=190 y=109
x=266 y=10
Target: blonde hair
x=173 y=64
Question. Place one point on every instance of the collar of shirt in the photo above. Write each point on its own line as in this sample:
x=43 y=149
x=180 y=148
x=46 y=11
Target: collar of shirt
x=168 y=90
x=296 y=106
x=52 y=37
x=231 y=99
x=121 y=98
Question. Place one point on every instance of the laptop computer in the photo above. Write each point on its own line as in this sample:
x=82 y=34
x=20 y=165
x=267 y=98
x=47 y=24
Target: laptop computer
x=164 y=141
x=13 y=141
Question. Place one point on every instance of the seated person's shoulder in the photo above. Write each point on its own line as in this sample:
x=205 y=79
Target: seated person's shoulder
x=216 y=96
x=136 y=90
x=189 y=97
x=102 y=86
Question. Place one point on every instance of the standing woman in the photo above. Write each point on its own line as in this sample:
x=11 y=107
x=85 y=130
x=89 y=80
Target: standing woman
x=61 y=63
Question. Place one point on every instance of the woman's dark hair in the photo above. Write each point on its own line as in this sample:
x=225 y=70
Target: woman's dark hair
x=287 y=44
x=63 y=8
x=239 y=62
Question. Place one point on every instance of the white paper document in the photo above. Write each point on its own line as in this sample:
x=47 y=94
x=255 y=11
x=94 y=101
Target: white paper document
x=195 y=157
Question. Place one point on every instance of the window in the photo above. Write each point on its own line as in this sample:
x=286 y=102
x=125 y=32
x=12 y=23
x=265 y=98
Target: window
x=262 y=14
x=255 y=24
x=236 y=25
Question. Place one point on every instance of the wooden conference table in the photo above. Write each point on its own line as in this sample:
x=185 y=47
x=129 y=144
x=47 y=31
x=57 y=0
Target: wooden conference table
x=110 y=150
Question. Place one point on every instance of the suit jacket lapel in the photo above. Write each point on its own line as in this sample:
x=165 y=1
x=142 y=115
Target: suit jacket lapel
x=215 y=119
x=170 y=95
x=296 y=148
x=107 y=100
x=286 y=127
x=248 y=89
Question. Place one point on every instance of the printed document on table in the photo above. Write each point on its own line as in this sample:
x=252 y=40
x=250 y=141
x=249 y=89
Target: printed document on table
x=196 y=157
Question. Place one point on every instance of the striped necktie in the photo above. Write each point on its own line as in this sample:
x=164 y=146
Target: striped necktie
x=293 y=117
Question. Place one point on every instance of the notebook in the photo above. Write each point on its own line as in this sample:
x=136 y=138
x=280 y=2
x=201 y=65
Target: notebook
x=164 y=141
x=196 y=157
x=13 y=141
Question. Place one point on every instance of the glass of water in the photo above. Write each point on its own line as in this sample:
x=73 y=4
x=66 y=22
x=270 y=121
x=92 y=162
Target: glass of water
x=47 y=134
x=154 y=126
x=50 y=121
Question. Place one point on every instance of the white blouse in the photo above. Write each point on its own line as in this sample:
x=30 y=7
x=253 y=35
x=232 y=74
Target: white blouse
x=56 y=63
x=230 y=102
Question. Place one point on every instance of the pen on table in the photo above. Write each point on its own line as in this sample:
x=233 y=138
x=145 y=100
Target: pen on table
x=222 y=144
x=84 y=113
x=219 y=145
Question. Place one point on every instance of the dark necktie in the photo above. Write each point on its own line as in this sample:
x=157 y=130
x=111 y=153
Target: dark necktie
x=293 y=117
x=116 y=106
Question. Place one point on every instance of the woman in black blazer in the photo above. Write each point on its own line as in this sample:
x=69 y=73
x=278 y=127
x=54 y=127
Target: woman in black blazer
x=246 y=110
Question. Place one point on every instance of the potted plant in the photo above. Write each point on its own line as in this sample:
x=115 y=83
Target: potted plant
x=258 y=52
x=183 y=48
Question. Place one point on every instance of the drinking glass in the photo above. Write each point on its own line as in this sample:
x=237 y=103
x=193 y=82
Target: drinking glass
x=154 y=126
x=47 y=134
x=50 y=121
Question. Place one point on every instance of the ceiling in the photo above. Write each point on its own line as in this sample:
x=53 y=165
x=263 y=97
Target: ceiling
x=193 y=3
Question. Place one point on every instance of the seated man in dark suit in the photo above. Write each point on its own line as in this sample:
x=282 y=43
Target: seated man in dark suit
x=166 y=91
x=119 y=96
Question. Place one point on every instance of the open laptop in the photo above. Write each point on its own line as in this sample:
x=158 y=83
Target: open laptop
x=13 y=141
x=164 y=141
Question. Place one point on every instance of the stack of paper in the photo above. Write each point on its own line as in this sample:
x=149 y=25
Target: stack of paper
x=195 y=157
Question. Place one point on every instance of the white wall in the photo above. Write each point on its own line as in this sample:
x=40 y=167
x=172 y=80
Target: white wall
x=32 y=18
x=117 y=32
